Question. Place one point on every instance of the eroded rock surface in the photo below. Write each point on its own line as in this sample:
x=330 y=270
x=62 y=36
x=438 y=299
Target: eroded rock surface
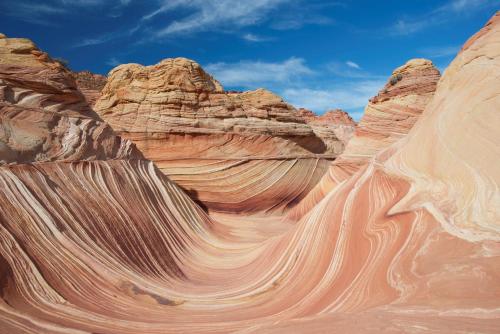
x=90 y=84
x=388 y=117
x=233 y=151
x=44 y=117
x=178 y=97
x=334 y=127
x=408 y=242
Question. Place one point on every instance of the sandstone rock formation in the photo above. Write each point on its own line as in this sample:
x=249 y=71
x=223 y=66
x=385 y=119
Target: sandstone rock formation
x=90 y=84
x=388 y=117
x=177 y=96
x=208 y=140
x=43 y=115
x=334 y=127
x=407 y=243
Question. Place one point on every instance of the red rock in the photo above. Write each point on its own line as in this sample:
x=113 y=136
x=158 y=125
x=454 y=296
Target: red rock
x=217 y=144
x=407 y=242
x=90 y=85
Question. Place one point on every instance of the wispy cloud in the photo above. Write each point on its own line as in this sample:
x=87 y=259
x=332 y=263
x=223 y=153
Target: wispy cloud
x=301 y=13
x=439 y=51
x=351 y=70
x=352 y=64
x=442 y=14
x=106 y=37
x=36 y=12
x=298 y=20
x=213 y=14
x=253 y=74
x=33 y=12
x=348 y=96
x=113 y=61
x=255 y=38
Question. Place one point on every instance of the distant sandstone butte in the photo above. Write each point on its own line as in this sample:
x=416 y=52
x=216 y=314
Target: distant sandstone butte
x=177 y=100
x=90 y=84
x=44 y=117
x=332 y=126
x=233 y=151
x=391 y=114
x=388 y=117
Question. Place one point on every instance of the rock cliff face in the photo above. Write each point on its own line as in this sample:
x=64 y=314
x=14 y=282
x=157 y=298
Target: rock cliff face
x=408 y=242
x=44 y=116
x=90 y=84
x=392 y=113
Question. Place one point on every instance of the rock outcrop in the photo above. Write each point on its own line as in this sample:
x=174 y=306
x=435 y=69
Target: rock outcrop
x=44 y=117
x=90 y=84
x=392 y=113
x=408 y=242
x=232 y=151
x=177 y=97
x=388 y=117
x=334 y=127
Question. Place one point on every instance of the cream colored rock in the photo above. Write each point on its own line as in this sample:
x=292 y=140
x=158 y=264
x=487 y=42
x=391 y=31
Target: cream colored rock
x=388 y=117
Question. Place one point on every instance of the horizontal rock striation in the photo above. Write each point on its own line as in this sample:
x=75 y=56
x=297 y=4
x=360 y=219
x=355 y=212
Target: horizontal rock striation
x=177 y=97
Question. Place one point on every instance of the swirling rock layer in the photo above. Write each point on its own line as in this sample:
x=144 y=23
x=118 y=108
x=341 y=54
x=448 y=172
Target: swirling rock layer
x=407 y=243
x=44 y=116
x=388 y=117
x=209 y=140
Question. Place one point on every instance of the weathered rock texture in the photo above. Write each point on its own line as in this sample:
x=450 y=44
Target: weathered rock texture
x=43 y=115
x=178 y=97
x=231 y=151
x=90 y=84
x=408 y=243
x=334 y=127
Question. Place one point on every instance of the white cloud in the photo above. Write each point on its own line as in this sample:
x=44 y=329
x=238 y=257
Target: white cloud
x=213 y=14
x=105 y=37
x=350 y=70
x=34 y=11
x=113 y=61
x=439 y=51
x=353 y=95
x=253 y=74
x=440 y=15
x=255 y=38
x=352 y=64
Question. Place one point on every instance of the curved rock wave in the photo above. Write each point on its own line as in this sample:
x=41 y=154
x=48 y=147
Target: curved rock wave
x=405 y=242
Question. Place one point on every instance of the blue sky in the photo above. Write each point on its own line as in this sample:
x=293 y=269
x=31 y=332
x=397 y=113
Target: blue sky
x=316 y=54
